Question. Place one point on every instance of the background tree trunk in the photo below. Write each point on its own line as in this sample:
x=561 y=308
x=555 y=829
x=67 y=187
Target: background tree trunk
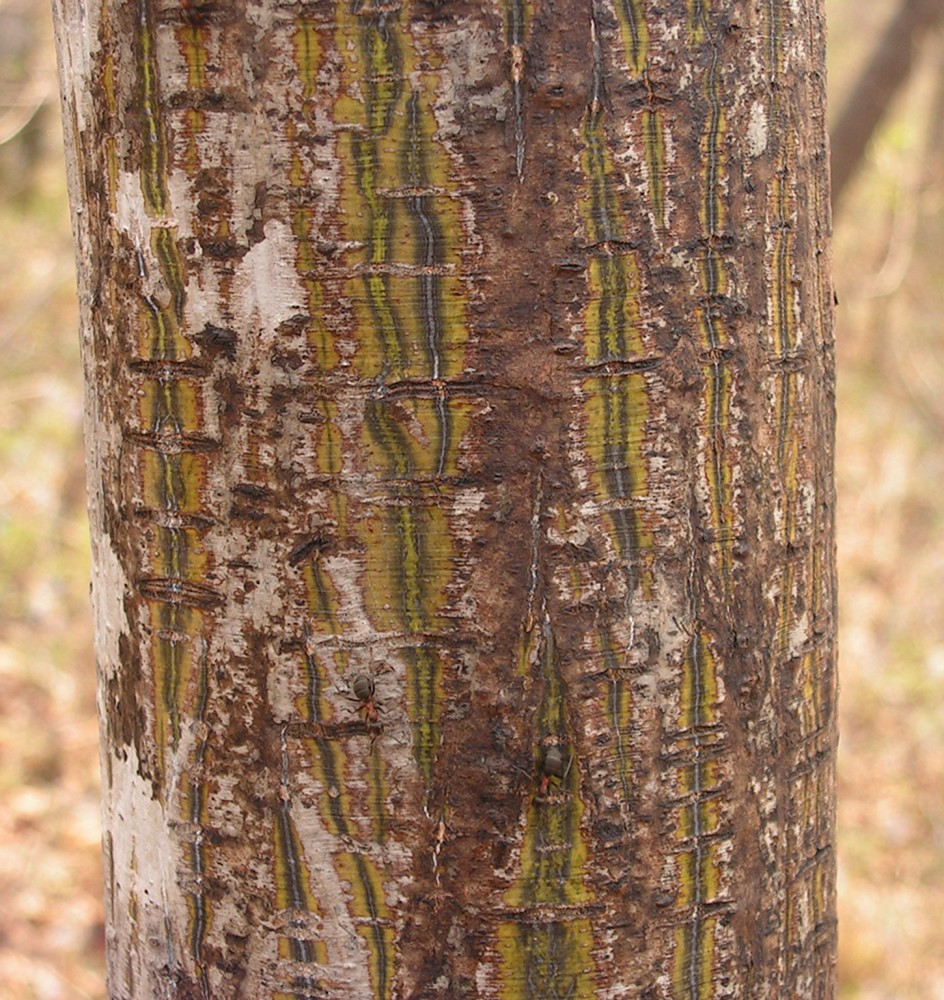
x=459 y=428
x=886 y=71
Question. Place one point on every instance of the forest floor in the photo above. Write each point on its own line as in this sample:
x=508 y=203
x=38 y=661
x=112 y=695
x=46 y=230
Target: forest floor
x=889 y=272
x=51 y=925
x=889 y=275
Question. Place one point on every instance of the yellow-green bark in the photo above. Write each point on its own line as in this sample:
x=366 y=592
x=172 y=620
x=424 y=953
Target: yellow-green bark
x=459 y=394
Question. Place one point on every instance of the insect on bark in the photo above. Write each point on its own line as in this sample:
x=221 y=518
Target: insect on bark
x=363 y=687
x=553 y=768
x=363 y=691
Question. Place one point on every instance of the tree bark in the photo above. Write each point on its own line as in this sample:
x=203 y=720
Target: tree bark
x=460 y=431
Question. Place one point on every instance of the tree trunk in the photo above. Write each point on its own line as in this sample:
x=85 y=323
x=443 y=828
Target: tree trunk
x=460 y=456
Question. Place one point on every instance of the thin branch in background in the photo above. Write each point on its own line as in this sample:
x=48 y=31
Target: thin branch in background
x=16 y=118
x=917 y=354
x=888 y=68
x=910 y=170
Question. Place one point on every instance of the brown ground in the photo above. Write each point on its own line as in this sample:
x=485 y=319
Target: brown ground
x=889 y=267
x=890 y=279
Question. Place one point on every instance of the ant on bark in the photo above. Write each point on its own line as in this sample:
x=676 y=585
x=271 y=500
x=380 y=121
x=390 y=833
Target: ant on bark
x=553 y=769
x=363 y=691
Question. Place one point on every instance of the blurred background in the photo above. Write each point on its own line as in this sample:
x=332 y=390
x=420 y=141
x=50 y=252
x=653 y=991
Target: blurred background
x=887 y=100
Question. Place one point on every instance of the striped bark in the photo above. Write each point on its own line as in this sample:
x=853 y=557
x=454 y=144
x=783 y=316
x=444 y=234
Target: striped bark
x=460 y=467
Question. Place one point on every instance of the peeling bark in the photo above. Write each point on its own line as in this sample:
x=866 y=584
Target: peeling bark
x=460 y=467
